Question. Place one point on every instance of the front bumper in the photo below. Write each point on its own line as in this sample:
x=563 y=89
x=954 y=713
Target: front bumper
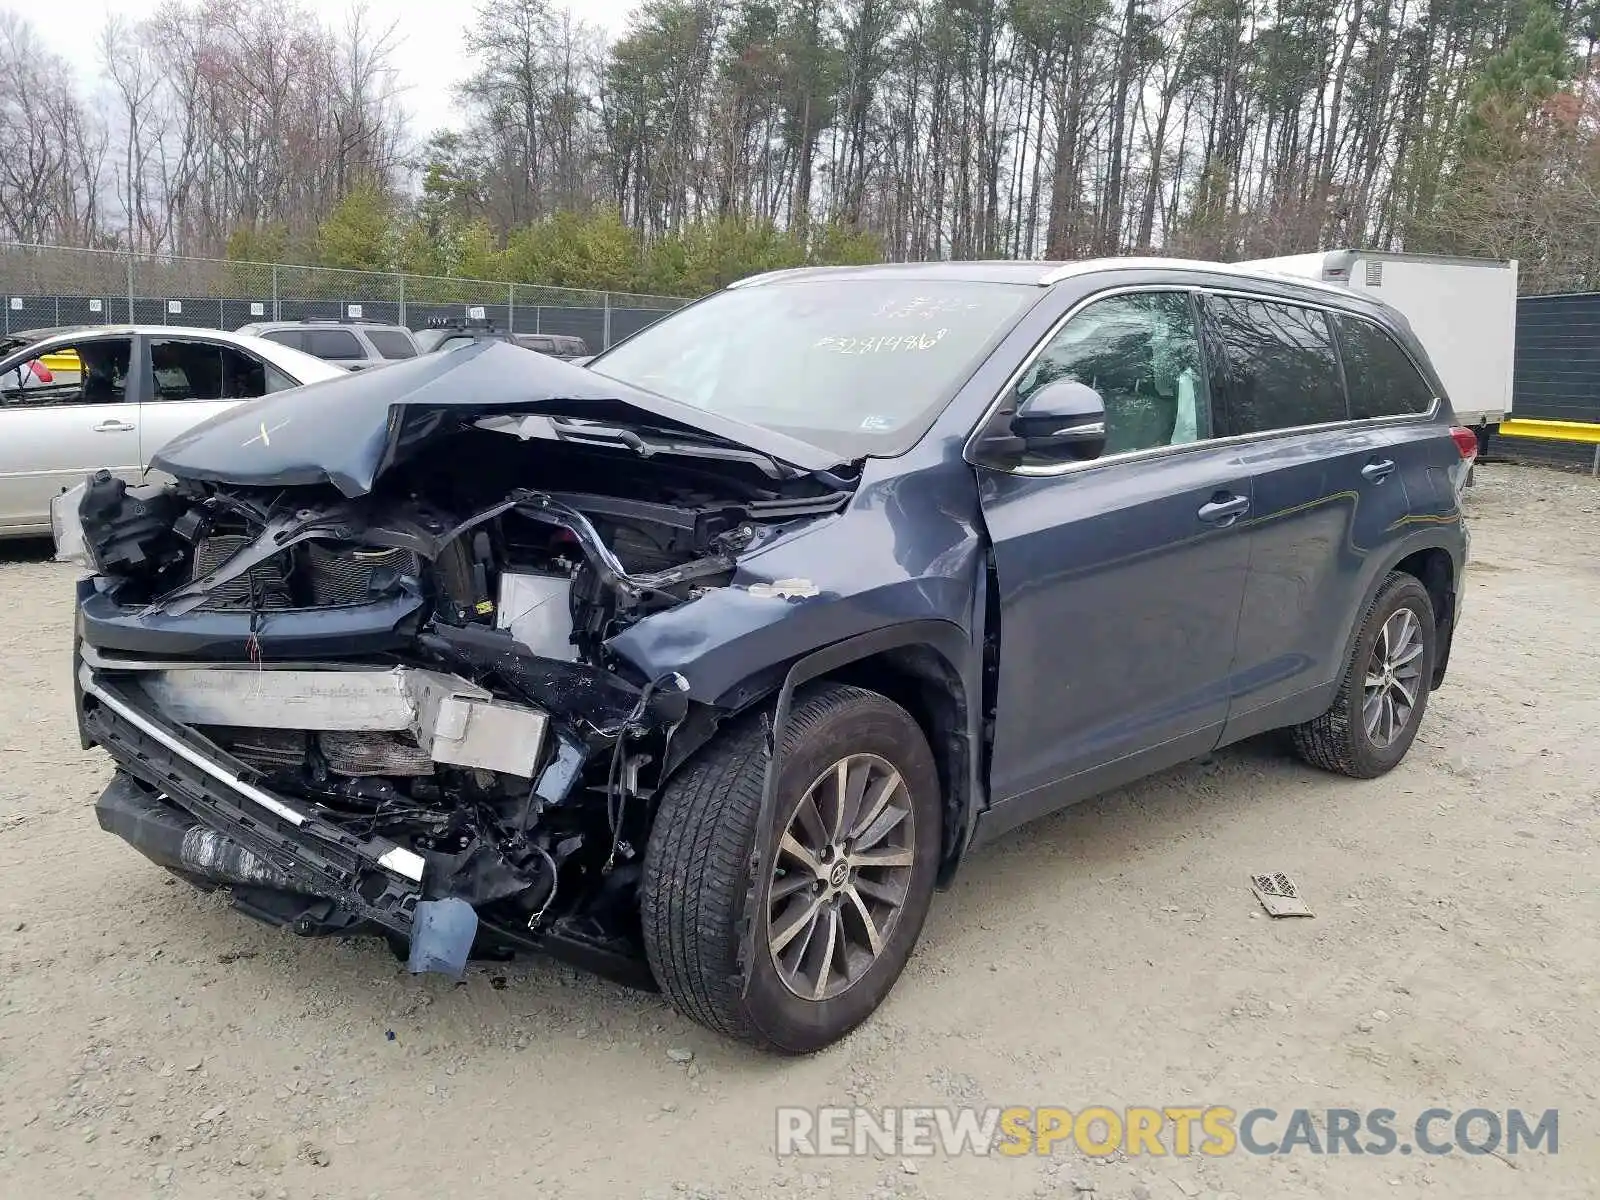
x=171 y=780
x=188 y=805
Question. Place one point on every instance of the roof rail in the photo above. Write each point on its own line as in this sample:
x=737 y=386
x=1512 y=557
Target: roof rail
x=769 y=276
x=1091 y=265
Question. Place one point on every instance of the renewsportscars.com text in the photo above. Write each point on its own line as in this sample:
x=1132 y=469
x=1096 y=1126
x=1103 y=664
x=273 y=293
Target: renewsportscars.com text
x=1179 y=1130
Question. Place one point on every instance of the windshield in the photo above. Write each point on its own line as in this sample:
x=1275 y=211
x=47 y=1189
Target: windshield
x=856 y=366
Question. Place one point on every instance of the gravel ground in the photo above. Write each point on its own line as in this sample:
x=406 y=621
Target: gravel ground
x=153 y=1042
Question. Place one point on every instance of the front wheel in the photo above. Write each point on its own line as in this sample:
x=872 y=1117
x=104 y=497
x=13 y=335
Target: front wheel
x=1384 y=692
x=842 y=893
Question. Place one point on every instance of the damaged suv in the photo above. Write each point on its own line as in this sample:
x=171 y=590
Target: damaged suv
x=703 y=666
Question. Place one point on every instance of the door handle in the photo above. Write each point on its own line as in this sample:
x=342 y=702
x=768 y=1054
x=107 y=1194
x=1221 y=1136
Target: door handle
x=113 y=426
x=1378 y=471
x=1224 y=509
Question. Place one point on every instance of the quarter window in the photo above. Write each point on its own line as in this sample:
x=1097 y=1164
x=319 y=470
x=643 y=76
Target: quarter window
x=1382 y=379
x=1142 y=354
x=1280 y=369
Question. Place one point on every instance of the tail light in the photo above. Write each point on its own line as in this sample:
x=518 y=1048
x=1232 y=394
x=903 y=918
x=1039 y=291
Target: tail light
x=1466 y=441
x=41 y=373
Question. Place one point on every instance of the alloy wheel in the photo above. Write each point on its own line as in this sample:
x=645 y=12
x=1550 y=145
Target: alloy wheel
x=1393 y=679
x=841 y=876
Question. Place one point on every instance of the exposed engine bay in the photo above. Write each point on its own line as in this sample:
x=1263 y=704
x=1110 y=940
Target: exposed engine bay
x=425 y=668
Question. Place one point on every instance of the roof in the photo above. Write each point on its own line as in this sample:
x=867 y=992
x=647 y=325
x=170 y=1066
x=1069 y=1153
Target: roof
x=320 y=323
x=1037 y=273
x=130 y=330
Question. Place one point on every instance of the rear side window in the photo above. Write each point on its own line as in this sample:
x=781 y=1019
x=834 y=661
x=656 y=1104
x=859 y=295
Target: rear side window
x=391 y=343
x=333 y=343
x=1382 y=379
x=204 y=371
x=293 y=338
x=1280 y=369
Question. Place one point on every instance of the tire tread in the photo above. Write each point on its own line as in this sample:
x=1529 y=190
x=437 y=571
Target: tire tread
x=698 y=880
x=1330 y=741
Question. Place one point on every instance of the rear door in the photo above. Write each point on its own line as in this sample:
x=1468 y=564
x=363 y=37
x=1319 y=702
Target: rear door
x=56 y=430
x=1120 y=579
x=1330 y=486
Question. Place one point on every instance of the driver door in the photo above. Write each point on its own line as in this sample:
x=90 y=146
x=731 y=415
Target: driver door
x=57 y=426
x=1121 y=579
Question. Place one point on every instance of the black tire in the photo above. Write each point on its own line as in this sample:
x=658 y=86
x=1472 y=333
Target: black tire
x=1338 y=740
x=698 y=879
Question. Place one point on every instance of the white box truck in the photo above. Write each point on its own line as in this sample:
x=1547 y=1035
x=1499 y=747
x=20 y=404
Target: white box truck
x=1463 y=311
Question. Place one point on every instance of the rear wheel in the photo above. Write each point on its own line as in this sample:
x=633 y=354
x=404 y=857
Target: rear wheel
x=1384 y=692
x=842 y=894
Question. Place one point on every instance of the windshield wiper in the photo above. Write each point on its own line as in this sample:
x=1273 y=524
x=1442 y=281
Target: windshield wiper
x=676 y=443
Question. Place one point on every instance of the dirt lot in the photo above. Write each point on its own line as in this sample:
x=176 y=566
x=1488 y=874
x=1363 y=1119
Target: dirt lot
x=154 y=1042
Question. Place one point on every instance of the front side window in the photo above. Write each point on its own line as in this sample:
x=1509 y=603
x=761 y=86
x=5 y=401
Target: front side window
x=856 y=365
x=90 y=372
x=1382 y=379
x=1280 y=369
x=1141 y=352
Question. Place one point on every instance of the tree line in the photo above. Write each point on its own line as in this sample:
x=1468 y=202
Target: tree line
x=709 y=138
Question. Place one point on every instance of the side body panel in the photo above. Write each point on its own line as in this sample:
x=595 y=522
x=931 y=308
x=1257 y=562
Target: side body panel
x=1118 y=612
x=47 y=448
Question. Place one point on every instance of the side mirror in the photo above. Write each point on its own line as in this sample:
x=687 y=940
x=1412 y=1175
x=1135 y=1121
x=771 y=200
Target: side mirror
x=1064 y=417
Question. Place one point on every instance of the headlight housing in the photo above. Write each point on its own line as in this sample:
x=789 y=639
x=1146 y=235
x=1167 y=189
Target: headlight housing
x=66 y=526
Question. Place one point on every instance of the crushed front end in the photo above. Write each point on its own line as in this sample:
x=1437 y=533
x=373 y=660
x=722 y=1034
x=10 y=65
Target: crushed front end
x=353 y=711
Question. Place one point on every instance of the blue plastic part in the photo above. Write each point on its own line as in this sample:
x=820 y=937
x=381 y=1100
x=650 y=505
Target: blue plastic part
x=442 y=932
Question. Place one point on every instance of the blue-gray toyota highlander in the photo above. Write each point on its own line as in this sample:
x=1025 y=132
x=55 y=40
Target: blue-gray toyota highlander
x=702 y=666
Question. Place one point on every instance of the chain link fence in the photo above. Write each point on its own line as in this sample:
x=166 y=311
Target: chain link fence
x=44 y=287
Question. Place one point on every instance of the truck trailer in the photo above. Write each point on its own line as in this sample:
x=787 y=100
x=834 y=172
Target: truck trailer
x=1463 y=311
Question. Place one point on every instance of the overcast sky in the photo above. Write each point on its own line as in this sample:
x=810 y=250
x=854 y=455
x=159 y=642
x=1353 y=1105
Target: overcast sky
x=431 y=57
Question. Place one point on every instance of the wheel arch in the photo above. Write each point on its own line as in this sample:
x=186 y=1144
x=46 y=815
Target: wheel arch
x=926 y=666
x=1433 y=562
x=1435 y=569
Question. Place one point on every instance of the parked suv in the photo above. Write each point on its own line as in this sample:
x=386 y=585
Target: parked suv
x=702 y=666
x=446 y=333
x=349 y=343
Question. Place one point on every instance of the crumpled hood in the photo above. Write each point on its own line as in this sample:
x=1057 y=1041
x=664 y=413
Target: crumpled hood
x=349 y=431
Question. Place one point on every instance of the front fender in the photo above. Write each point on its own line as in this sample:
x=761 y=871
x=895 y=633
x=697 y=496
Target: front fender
x=729 y=636
x=952 y=643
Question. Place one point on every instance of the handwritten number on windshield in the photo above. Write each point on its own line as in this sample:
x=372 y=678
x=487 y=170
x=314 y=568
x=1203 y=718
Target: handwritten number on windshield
x=886 y=344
